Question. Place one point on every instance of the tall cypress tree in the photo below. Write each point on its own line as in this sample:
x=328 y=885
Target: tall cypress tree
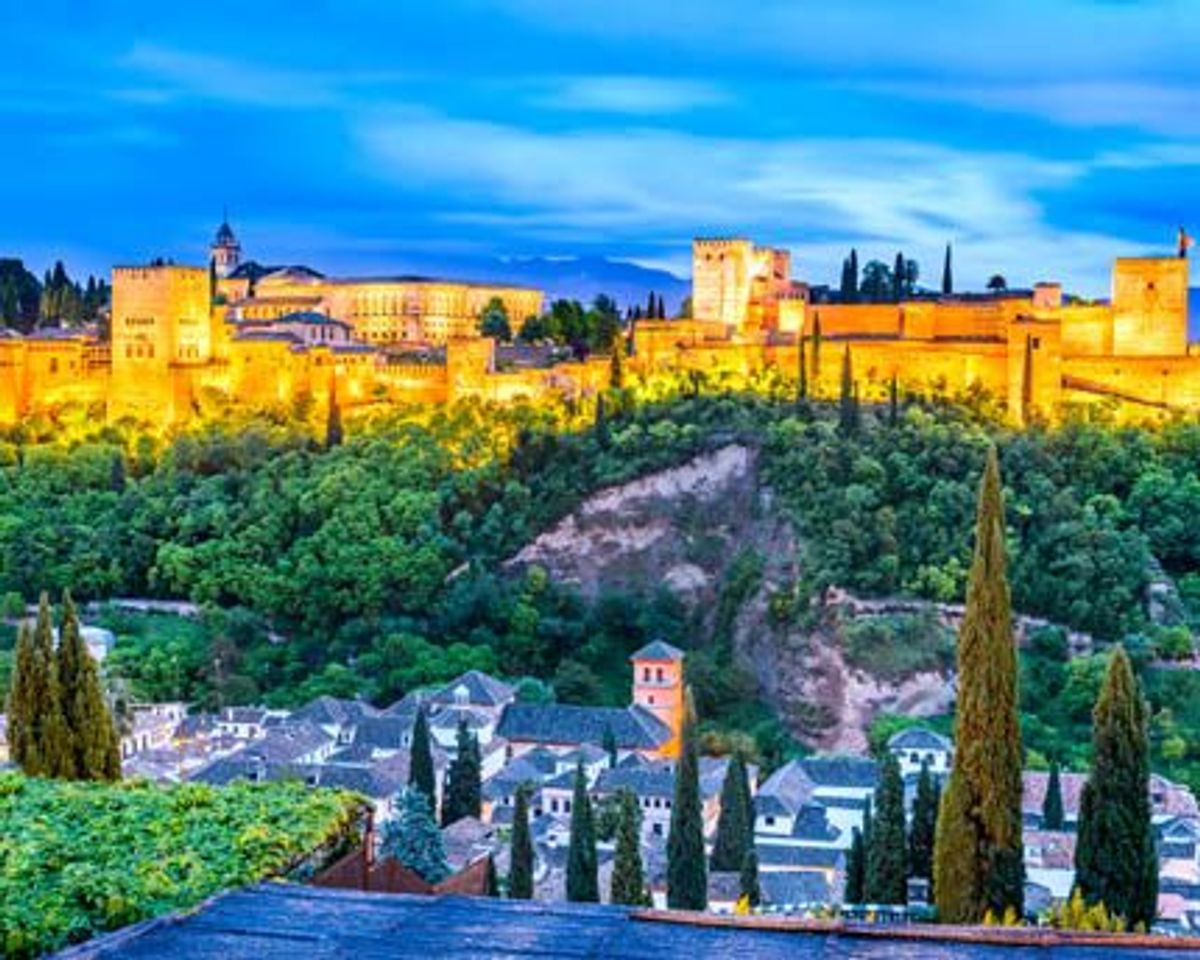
x=899 y=271
x=1052 y=805
x=886 y=875
x=816 y=354
x=924 y=825
x=628 y=877
x=1115 y=860
x=856 y=870
x=54 y=749
x=847 y=286
x=947 y=275
x=735 y=826
x=893 y=403
x=978 y=852
x=853 y=275
x=687 y=876
x=334 y=433
x=801 y=369
x=616 y=366
x=520 y=868
x=847 y=403
x=420 y=763
x=463 y=789
x=95 y=747
x=748 y=885
x=582 y=883
x=25 y=696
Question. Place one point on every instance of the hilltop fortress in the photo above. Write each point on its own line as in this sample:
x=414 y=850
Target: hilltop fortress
x=241 y=332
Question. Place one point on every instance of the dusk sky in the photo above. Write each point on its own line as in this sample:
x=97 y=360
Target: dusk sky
x=1041 y=137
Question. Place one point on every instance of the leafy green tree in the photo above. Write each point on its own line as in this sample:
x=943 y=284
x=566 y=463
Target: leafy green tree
x=924 y=825
x=735 y=823
x=687 y=876
x=628 y=877
x=463 y=796
x=877 y=283
x=420 y=766
x=583 y=886
x=494 y=322
x=93 y=737
x=1115 y=859
x=886 y=873
x=748 y=885
x=1052 y=805
x=978 y=863
x=996 y=283
x=520 y=871
x=414 y=839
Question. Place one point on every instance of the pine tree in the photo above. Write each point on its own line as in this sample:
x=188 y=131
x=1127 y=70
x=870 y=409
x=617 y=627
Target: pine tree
x=420 y=764
x=582 y=883
x=1052 y=805
x=947 y=275
x=414 y=839
x=886 y=873
x=924 y=825
x=748 y=885
x=855 y=869
x=463 y=789
x=628 y=877
x=687 y=876
x=977 y=851
x=735 y=827
x=847 y=404
x=95 y=747
x=520 y=870
x=1115 y=859
x=334 y=433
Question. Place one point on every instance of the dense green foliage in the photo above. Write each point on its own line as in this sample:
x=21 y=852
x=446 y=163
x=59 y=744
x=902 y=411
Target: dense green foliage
x=1115 y=859
x=735 y=823
x=80 y=858
x=583 y=884
x=978 y=855
x=628 y=876
x=414 y=839
x=886 y=876
x=42 y=744
x=687 y=873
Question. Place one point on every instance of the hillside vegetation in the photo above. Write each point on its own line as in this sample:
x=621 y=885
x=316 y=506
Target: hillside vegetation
x=378 y=565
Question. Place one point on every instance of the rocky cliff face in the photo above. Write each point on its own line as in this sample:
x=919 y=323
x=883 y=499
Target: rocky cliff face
x=681 y=529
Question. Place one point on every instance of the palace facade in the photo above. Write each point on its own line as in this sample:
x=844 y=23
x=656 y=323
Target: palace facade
x=242 y=332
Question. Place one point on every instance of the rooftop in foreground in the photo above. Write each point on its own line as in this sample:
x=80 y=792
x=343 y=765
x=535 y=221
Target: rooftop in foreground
x=276 y=921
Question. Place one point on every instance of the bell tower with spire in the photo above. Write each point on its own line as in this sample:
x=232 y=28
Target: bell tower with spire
x=225 y=252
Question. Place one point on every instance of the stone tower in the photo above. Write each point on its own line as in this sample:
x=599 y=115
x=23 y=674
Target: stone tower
x=658 y=688
x=225 y=252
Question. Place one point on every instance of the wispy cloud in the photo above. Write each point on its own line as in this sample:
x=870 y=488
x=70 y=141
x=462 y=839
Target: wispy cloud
x=630 y=95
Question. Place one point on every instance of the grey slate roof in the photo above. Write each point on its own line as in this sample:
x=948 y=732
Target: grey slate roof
x=793 y=887
x=785 y=855
x=633 y=728
x=330 y=711
x=657 y=650
x=918 y=738
x=789 y=786
x=812 y=824
x=856 y=772
x=482 y=690
x=656 y=780
x=383 y=732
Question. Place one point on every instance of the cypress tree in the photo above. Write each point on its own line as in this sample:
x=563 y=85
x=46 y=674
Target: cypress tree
x=582 y=883
x=54 y=747
x=801 y=369
x=977 y=851
x=735 y=827
x=947 y=275
x=855 y=869
x=816 y=353
x=414 y=839
x=334 y=433
x=609 y=743
x=616 y=367
x=463 y=789
x=687 y=876
x=1115 y=859
x=420 y=764
x=492 y=882
x=898 y=273
x=662 y=308
x=748 y=885
x=847 y=405
x=520 y=870
x=651 y=308
x=844 y=287
x=853 y=275
x=893 y=403
x=603 y=434
x=1052 y=805
x=95 y=747
x=24 y=696
x=886 y=873
x=924 y=825
x=116 y=476
x=628 y=878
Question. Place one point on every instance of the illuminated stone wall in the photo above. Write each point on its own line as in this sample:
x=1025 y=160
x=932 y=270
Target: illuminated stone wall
x=1149 y=301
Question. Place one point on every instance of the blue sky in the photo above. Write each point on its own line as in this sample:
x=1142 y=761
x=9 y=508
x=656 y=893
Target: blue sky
x=1041 y=137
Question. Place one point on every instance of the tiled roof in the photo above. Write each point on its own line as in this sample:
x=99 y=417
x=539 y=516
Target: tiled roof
x=918 y=738
x=243 y=715
x=331 y=711
x=657 y=650
x=793 y=887
x=482 y=690
x=383 y=732
x=787 y=855
x=633 y=728
x=790 y=786
x=812 y=824
x=855 y=772
x=657 y=780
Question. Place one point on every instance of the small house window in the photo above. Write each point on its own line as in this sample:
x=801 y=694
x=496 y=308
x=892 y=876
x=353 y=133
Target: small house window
x=646 y=674
x=770 y=821
x=659 y=675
